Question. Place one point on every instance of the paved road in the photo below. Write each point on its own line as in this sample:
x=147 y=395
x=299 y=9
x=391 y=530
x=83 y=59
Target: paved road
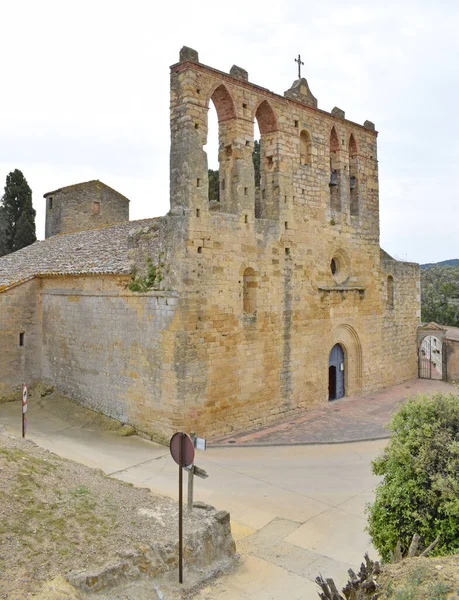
x=348 y=419
x=297 y=510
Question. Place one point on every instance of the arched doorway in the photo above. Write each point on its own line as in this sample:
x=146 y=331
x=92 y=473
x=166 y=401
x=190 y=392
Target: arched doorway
x=336 y=373
x=431 y=358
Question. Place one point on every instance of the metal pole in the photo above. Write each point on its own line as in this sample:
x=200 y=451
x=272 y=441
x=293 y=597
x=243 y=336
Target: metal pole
x=190 y=488
x=181 y=511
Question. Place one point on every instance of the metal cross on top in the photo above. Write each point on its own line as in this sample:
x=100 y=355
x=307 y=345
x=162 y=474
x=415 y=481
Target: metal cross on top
x=298 y=60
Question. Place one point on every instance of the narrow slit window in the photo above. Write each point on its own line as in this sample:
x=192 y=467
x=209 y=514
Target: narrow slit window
x=390 y=292
x=21 y=338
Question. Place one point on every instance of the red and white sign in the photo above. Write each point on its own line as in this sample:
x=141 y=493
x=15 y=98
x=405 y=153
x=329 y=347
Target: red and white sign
x=24 y=398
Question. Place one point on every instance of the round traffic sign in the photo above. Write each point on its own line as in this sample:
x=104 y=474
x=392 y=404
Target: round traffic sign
x=182 y=449
x=24 y=393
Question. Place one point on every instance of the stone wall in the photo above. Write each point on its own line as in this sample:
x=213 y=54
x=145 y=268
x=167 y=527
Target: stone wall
x=400 y=299
x=452 y=353
x=84 y=206
x=109 y=348
x=260 y=308
x=20 y=314
x=256 y=288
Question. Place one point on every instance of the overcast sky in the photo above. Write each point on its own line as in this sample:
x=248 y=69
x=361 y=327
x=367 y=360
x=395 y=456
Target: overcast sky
x=85 y=93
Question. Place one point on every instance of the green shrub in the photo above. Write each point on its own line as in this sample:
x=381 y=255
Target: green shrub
x=420 y=469
x=151 y=281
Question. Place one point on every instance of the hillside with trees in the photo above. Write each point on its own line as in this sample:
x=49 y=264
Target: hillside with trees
x=440 y=294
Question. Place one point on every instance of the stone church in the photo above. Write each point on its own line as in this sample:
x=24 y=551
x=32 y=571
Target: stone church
x=225 y=314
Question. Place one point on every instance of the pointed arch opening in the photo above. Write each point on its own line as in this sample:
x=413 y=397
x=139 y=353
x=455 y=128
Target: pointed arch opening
x=223 y=103
x=267 y=121
x=305 y=148
x=336 y=373
x=335 y=175
x=221 y=109
x=348 y=339
x=264 y=158
x=353 y=176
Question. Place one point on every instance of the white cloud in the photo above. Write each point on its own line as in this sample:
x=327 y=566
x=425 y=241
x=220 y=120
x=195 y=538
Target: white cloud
x=85 y=92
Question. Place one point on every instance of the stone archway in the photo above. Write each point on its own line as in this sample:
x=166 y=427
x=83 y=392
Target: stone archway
x=432 y=355
x=346 y=336
x=336 y=373
x=431 y=358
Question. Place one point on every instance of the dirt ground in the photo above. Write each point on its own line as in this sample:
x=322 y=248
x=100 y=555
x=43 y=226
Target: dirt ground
x=60 y=518
x=435 y=578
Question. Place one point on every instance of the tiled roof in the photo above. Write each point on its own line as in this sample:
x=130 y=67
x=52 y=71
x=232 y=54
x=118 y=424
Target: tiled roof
x=103 y=250
x=84 y=184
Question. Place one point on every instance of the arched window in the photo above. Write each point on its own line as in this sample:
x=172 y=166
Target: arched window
x=353 y=179
x=335 y=175
x=390 y=292
x=266 y=118
x=305 y=148
x=250 y=285
x=221 y=109
x=264 y=158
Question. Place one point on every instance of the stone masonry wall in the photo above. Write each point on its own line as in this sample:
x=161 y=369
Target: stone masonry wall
x=452 y=353
x=401 y=318
x=256 y=289
x=109 y=348
x=20 y=313
x=74 y=208
x=259 y=306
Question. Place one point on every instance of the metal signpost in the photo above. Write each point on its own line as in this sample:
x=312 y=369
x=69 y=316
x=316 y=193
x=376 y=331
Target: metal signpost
x=182 y=451
x=192 y=472
x=24 y=409
x=199 y=444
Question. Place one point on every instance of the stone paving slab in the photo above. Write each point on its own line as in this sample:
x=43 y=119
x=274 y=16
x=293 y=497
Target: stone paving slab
x=341 y=421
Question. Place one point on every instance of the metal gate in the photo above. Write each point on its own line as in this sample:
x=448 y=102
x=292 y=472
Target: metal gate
x=432 y=358
x=336 y=373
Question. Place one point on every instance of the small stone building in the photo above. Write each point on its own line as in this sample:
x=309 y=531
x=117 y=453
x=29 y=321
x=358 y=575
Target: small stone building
x=84 y=206
x=223 y=315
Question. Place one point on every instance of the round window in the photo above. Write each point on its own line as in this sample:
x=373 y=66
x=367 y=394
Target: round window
x=340 y=267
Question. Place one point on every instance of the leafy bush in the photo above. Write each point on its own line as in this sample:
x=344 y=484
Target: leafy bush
x=420 y=467
x=151 y=281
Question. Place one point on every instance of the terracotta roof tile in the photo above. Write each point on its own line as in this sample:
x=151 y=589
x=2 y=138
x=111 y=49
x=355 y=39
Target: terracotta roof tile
x=94 y=251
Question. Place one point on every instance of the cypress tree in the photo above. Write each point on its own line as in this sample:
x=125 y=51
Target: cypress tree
x=19 y=212
x=3 y=227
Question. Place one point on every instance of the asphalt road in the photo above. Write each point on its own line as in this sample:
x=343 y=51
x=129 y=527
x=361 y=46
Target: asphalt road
x=296 y=511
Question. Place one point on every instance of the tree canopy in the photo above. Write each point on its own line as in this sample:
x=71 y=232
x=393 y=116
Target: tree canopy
x=419 y=492
x=17 y=214
x=214 y=185
x=3 y=228
x=440 y=295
